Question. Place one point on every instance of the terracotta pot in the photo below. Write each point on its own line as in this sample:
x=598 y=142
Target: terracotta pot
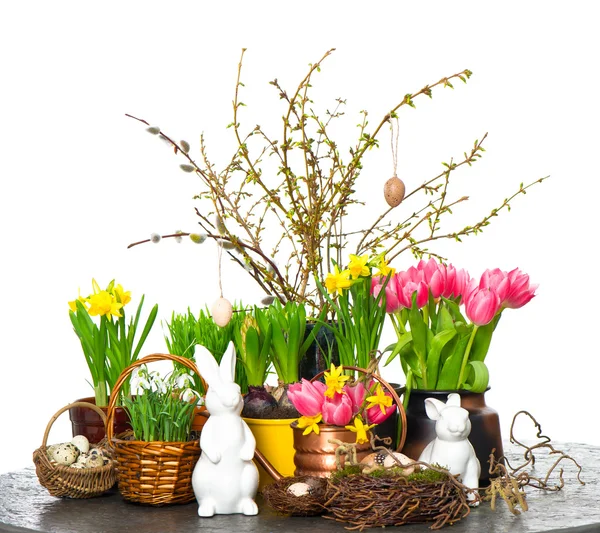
x=315 y=456
x=88 y=423
x=485 y=426
x=275 y=442
x=199 y=420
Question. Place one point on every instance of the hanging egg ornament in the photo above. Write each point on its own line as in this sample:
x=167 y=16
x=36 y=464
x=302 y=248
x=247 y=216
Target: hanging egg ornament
x=221 y=311
x=394 y=190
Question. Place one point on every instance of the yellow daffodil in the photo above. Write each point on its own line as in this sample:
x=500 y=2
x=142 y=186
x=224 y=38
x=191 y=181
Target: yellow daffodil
x=361 y=430
x=122 y=296
x=384 y=269
x=358 y=266
x=104 y=303
x=337 y=281
x=335 y=381
x=310 y=423
x=73 y=303
x=379 y=399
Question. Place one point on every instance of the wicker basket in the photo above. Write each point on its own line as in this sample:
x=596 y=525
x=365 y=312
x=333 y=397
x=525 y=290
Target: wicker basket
x=64 y=481
x=154 y=473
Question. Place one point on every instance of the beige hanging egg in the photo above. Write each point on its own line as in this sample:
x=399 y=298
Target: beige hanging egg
x=221 y=311
x=394 y=190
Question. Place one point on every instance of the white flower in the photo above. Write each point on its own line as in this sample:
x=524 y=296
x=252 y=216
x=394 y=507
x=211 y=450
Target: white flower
x=188 y=395
x=140 y=380
x=184 y=380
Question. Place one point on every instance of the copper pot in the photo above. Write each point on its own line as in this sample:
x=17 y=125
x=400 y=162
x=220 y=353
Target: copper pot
x=485 y=426
x=315 y=455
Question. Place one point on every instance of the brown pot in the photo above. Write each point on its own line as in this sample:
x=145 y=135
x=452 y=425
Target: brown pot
x=89 y=424
x=315 y=456
x=485 y=426
x=199 y=419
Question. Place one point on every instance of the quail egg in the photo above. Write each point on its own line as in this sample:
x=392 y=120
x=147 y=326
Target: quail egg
x=65 y=454
x=82 y=443
x=77 y=465
x=94 y=461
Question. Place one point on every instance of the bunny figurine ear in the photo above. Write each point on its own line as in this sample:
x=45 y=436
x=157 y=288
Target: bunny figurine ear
x=227 y=367
x=207 y=366
x=453 y=399
x=433 y=408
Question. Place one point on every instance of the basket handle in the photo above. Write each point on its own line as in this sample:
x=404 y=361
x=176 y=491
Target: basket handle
x=110 y=411
x=389 y=388
x=66 y=408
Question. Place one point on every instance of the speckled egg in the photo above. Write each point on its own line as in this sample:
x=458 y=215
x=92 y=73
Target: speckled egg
x=386 y=460
x=299 y=489
x=221 y=311
x=77 y=465
x=394 y=191
x=82 y=443
x=83 y=457
x=94 y=461
x=65 y=454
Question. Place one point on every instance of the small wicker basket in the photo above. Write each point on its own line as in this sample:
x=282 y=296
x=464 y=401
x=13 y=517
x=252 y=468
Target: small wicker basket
x=154 y=473
x=65 y=481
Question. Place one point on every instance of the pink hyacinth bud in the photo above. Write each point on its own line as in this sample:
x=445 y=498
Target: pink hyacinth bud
x=307 y=397
x=481 y=305
x=337 y=410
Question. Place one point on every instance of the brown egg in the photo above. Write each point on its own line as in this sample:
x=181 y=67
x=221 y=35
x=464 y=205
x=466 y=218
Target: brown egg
x=221 y=312
x=394 y=190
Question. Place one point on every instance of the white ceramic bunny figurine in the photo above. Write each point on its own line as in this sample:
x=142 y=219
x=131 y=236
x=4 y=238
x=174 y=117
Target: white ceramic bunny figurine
x=452 y=448
x=225 y=479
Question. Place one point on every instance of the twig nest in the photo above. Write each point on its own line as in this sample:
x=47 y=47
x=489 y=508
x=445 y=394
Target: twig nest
x=297 y=496
x=393 y=191
x=221 y=311
x=389 y=460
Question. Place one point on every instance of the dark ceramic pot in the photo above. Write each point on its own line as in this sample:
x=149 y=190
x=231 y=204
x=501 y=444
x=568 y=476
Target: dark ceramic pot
x=88 y=423
x=314 y=360
x=485 y=426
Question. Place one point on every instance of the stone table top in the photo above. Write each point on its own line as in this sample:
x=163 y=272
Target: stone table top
x=25 y=506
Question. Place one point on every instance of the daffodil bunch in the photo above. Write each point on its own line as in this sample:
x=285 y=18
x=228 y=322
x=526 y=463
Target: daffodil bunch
x=162 y=409
x=108 y=341
x=336 y=402
x=359 y=314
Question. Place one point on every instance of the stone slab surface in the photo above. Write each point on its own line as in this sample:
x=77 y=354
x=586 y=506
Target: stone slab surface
x=26 y=506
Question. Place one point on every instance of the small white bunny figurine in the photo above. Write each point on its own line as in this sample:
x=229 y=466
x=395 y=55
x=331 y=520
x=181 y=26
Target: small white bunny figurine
x=225 y=479
x=452 y=448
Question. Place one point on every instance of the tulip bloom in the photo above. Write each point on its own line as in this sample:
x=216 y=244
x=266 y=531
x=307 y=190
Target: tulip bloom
x=481 y=306
x=337 y=410
x=497 y=280
x=357 y=394
x=520 y=291
x=408 y=289
x=307 y=397
x=392 y=303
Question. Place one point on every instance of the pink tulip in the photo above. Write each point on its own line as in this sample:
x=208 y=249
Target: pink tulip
x=407 y=290
x=375 y=416
x=337 y=410
x=520 y=291
x=391 y=296
x=307 y=397
x=497 y=280
x=481 y=305
x=357 y=394
x=456 y=282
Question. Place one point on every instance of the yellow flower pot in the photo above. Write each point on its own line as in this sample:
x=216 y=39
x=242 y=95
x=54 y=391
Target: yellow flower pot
x=275 y=440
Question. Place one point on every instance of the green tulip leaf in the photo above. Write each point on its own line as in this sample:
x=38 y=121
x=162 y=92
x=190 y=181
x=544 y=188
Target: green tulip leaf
x=402 y=342
x=478 y=378
x=419 y=332
x=445 y=320
x=433 y=356
x=448 y=377
x=483 y=338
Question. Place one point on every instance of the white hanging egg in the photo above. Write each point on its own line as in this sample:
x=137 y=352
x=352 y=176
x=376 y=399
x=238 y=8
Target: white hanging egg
x=221 y=311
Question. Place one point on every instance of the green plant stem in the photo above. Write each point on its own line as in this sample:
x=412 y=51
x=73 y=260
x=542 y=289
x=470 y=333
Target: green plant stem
x=465 y=360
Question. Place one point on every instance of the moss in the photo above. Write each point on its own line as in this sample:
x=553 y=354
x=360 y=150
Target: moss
x=427 y=476
x=350 y=470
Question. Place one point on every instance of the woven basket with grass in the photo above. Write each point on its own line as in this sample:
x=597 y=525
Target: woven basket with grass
x=154 y=473
x=65 y=481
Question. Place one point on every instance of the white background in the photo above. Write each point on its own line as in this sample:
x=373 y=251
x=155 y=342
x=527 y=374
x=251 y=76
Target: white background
x=80 y=181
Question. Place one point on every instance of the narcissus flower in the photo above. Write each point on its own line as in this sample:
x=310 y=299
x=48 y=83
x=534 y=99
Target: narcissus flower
x=122 y=296
x=309 y=423
x=361 y=430
x=335 y=380
x=104 y=304
x=384 y=269
x=379 y=398
x=337 y=281
x=358 y=266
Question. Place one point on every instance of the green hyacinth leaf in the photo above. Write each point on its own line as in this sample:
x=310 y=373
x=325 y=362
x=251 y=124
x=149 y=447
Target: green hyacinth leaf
x=479 y=377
